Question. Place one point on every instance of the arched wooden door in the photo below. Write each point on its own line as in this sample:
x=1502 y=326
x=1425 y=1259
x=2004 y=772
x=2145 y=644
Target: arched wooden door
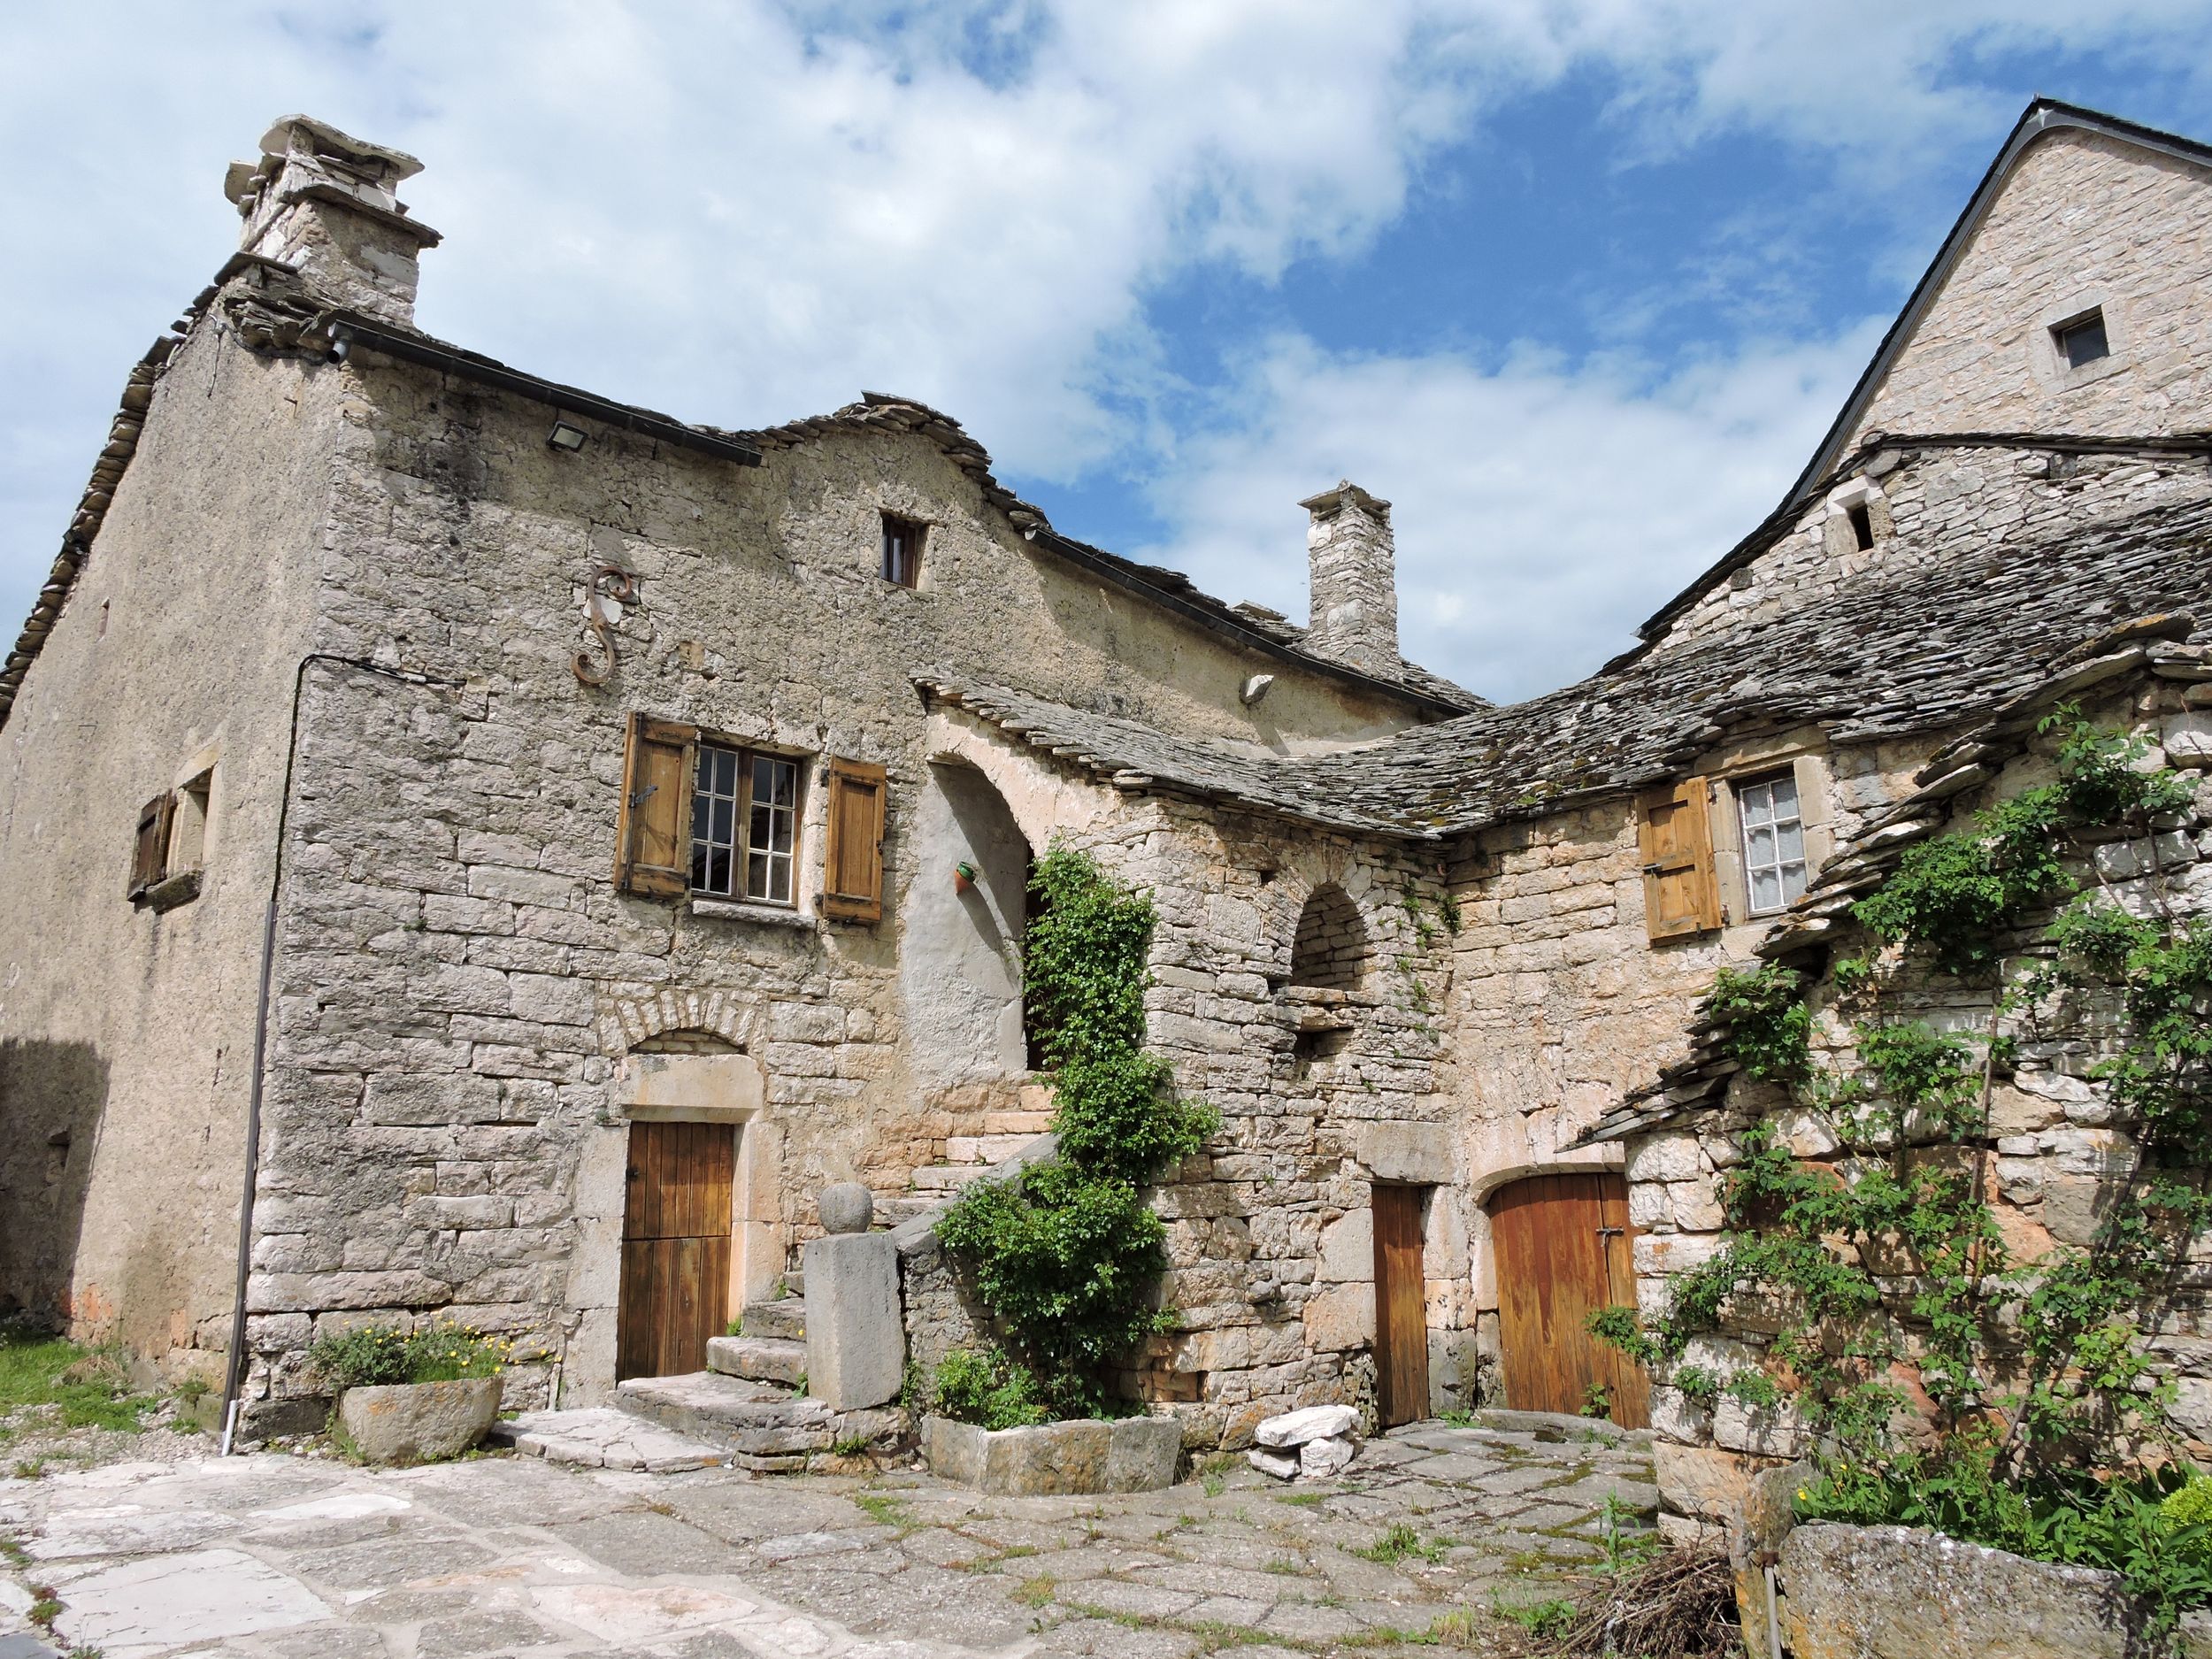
x=1563 y=1245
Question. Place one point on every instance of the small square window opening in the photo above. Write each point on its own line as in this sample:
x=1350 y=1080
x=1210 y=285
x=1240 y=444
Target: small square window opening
x=1862 y=525
x=2082 y=342
x=1773 y=842
x=744 y=824
x=901 y=550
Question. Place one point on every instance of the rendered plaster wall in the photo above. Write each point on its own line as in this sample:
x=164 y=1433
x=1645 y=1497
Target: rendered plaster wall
x=2083 y=220
x=1931 y=505
x=460 y=982
x=2060 y=1154
x=125 y=1036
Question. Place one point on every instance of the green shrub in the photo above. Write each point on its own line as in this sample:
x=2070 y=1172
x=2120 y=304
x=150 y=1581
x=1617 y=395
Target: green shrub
x=2189 y=1504
x=1068 y=1255
x=373 y=1355
x=986 y=1389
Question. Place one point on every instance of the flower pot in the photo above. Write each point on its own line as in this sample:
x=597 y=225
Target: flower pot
x=419 y=1423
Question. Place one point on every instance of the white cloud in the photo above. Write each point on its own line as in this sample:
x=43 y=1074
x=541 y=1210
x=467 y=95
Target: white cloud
x=746 y=211
x=1541 y=509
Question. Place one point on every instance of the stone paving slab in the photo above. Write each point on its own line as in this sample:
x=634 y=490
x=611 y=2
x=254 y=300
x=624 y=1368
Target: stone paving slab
x=267 y=1557
x=602 y=1438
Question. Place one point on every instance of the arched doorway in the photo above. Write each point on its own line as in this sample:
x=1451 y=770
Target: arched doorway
x=1563 y=1244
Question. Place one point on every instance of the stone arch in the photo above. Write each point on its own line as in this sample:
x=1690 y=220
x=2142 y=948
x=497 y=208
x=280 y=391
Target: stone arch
x=626 y=1024
x=1330 y=950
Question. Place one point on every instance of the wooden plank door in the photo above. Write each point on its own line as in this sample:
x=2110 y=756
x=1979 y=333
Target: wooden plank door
x=1402 y=1326
x=1562 y=1248
x=675 y=1246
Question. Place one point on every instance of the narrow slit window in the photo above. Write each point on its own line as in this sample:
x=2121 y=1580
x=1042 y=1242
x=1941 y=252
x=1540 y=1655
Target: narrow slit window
x=1862 y=525
x=2082 y=342
x=1773 y=842
x=901 y=550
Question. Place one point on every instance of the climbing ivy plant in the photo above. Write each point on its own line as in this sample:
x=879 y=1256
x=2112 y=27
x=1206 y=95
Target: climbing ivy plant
x=1872 y=1254
x=1068 y=1255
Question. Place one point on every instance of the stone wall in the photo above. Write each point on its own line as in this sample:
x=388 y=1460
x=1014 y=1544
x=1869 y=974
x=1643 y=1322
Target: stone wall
x=2083 y=221
x=126 y=1032
x=2057 y=1151
x=446 y=1125
x=1937 y=503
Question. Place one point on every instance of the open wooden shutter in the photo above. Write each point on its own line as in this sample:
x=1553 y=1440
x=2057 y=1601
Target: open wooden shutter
x=1680 y=895
x=852 y=866
x=149 y=854
x=653 y=843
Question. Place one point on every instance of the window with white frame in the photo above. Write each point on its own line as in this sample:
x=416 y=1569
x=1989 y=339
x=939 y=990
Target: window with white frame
x=744 y=824
x=1773 y=829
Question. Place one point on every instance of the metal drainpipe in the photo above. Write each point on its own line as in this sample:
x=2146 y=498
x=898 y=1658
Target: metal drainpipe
x=233 y=1363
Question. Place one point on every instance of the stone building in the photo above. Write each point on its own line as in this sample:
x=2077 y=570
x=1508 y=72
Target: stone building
x=590 y=800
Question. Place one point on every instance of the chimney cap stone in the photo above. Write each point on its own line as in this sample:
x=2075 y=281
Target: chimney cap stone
x=1345 y=491
x=322 y=138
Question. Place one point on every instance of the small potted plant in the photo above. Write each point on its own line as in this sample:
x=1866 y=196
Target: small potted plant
x=413 y=1397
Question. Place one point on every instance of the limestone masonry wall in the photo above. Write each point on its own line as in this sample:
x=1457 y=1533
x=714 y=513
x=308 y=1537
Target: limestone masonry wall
x=2059 y=1152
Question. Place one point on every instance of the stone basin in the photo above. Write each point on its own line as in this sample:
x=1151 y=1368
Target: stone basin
x=1056 y=1459
x=419 y=1423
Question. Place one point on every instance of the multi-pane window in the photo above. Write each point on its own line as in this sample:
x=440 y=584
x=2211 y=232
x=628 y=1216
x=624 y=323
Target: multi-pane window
x=901 y=551
x=744 y=824
x=1773 y=841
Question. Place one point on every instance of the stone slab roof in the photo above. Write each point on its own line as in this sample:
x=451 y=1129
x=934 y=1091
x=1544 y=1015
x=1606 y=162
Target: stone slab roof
x=1902 y=652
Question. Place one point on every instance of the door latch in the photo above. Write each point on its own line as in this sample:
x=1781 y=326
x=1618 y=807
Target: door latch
x=1611 y=1232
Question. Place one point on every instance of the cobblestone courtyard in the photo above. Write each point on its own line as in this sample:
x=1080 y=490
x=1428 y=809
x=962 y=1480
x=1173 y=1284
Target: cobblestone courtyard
x=291 y=1557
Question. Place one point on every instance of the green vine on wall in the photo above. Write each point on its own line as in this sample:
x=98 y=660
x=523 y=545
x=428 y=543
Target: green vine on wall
x=1947 y=1384
x=1068 y=1255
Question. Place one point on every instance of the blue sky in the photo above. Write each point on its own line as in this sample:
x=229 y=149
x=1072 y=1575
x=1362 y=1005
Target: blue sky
x=1576 y=283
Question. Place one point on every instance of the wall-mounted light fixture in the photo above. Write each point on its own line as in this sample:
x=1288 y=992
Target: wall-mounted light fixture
x=565 y=436
x=1255 y=688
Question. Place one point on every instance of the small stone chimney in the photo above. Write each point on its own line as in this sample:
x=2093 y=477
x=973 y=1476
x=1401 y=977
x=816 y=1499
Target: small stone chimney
x=324 y=204
x=1353 y=611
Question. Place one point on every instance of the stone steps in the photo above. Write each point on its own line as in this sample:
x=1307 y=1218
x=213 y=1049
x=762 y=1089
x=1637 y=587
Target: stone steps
x=785 y=1317
x=891 y=1211
x=767 y=1359
x=988 y=1148
x=760 y=1425
x=947 y=1177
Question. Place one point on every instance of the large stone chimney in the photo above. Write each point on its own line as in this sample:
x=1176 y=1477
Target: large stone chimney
x=324 y=204
x=1353 y=611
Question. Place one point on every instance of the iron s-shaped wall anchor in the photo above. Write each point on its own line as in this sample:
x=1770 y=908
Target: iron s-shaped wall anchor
x=610 y=589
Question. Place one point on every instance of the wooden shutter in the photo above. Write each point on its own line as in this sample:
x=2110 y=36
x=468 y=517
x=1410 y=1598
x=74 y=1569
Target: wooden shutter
x=653 y=840
x=149 y=854
x=852 y=866
x=1680 y=895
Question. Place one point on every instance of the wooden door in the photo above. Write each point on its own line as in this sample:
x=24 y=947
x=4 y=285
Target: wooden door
x=675 y=1246
x=1563 y=1245
x=1402 y=1326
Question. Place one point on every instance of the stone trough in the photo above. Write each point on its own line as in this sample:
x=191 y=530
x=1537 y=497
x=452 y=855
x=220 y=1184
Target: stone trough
x=1056 y=1459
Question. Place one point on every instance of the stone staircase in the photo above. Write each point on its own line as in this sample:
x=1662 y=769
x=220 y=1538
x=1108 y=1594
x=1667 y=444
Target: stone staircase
x=976 y=1141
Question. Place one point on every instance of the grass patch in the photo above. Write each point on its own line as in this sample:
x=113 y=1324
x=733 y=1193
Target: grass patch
x=1547 y=1620
x=1401 y=1542
x=1301 y=1500
x=886 y=1512
x=90 y=1388
x=1035 y=1592
x=1283 y=1565
x=852 y=1445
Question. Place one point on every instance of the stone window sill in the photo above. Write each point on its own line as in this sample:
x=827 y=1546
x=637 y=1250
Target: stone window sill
x=743 y=911
x=167 y=895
